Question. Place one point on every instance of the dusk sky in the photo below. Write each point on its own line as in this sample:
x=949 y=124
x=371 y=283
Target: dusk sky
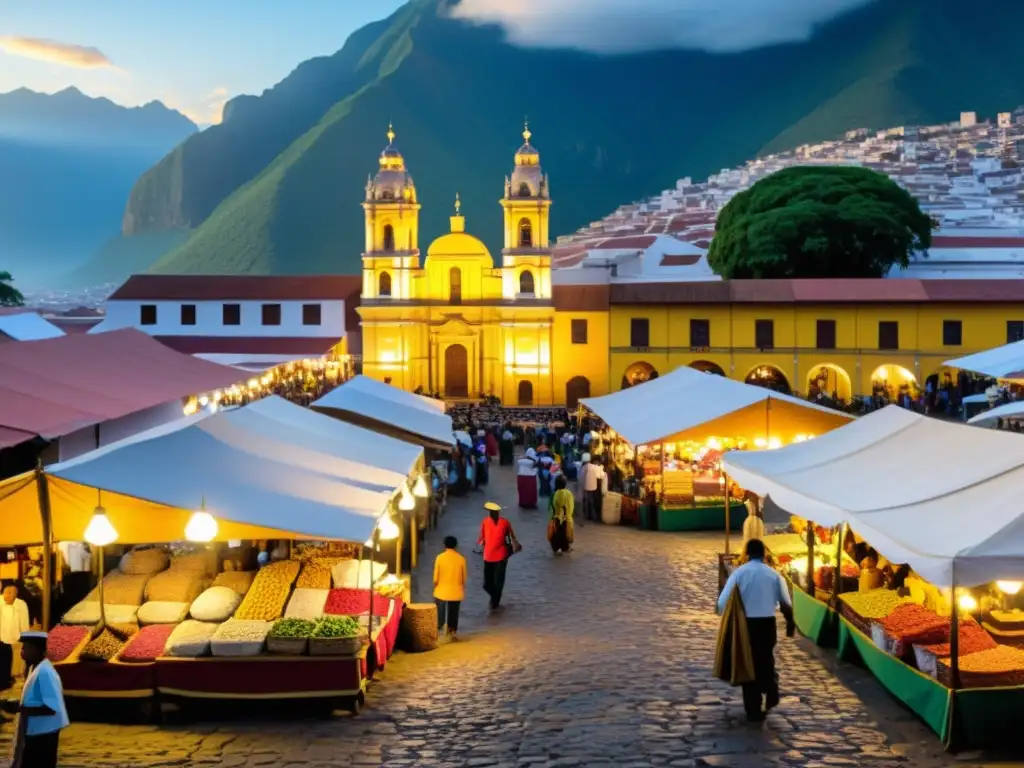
x=190 y=54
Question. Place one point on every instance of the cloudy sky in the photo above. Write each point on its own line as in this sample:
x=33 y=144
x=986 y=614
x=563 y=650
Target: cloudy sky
x=195 y=54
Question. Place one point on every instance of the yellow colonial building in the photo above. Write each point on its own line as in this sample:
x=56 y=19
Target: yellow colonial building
x=460 y=325
x=463 y=326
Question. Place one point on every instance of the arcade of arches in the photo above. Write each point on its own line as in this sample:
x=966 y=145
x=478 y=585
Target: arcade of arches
x=829 y=381
x=890 y=382
x=769 y=377
x=638 y=373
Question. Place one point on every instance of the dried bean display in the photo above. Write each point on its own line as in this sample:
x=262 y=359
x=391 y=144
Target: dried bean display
x=105 y=646
x=316 y=573
x=215 y=604
x=63 y=640
x=352 y=602
x=240 y=637
x=874 y=604
x=266 y=598
x=190 y=639
x=147 y=645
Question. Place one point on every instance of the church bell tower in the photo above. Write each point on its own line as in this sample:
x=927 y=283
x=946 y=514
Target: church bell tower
x=526 y=257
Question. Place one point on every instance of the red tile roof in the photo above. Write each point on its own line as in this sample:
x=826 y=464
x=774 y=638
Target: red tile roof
x=679 y=259
x=248 y=345
x=239 y=287
x=640 y=243
x=580 y=298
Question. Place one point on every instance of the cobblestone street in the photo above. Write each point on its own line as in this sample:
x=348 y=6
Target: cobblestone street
x=601 y=657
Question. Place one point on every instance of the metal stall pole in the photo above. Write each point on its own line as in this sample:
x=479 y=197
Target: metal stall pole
x=809 y=588
x=841 y=535
x=728 y=522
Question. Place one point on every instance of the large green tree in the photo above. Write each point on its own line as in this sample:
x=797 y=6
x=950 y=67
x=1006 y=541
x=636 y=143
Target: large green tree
x=819 y=221
x=9 y=295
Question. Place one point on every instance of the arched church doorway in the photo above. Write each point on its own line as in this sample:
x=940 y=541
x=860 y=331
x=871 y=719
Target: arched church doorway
x=576 y=389
x=456 y=371
x=525 y=393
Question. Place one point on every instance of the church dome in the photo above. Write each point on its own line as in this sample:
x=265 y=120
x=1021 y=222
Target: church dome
x=458 y=242
x=393 y=181
x=527 y=180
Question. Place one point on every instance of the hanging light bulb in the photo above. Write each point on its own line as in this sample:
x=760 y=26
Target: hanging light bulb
x=1009 y=587
x=202 y=526
x=100 y=531
x=967 y=603
x=388 y=528
x=420 y=488
x=406 y=503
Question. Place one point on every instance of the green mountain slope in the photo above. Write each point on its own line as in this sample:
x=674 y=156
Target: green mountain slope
x=609 y=129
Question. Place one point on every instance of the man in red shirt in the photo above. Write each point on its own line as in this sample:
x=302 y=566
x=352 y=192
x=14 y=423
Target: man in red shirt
x=497 y=540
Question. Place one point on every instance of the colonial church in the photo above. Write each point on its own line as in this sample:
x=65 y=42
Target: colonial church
x=459 y=325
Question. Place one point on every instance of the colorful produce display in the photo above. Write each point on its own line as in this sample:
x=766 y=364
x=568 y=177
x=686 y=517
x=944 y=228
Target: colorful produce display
x=306 y=603
x=240 y=581
x=337 y=626
x=316 y=573
x=352 y=602
x=108 y=643
x=292 y=628
x=147 y=645
x=162 y=612
x=190 y=639
x=916 y=624
x=266 y=598
x=63 y=640
x=216 y=604
x=972 y=640
x=239 y=637
x=175 y=586
x=875 y=604
x=998 y=660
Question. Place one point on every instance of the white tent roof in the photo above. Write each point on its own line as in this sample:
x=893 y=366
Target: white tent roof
x=882 y=475
x=1005 y=362
x=272 y=466
x=28 y=326
x=683 y=400
x=1012 y=411
x=370 y=400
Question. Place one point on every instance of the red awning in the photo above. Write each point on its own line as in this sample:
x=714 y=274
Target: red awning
x=56 y=386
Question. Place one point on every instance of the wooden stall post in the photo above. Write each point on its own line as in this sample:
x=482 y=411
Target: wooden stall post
x=954 y=636
x=728 y=523
x=369 y=623
x=840 y=536
x=809 y=588
x=43 y=492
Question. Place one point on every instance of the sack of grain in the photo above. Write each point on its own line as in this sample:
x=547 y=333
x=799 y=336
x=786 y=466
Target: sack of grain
x=215 y=604
x=355 y=574
x=266 y=598
x=306 y=603
x=240 y=581
x=175 y=586
x=204 y=563
x=240 y=638
x=88 y=612
x=316 y=573
x=144 y=562
x=121 y=589
x=161 y=612
x=190 y=639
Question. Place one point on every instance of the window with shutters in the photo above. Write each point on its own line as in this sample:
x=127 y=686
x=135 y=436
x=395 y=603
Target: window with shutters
x=700 y=333
x=579 y=331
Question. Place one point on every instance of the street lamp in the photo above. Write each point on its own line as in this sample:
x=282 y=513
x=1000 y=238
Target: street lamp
x=99 y=533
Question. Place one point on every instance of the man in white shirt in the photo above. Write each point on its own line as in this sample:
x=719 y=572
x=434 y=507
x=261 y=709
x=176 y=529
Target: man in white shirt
x=762 y=589
x=590 y=477
x=42 y=707
x=13 y=622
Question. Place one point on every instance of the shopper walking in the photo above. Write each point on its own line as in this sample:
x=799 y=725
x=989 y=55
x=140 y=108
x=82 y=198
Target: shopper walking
x=42 y=714
x=560 y=527
x=762 y=589
x=449 y=586
x=498 y=543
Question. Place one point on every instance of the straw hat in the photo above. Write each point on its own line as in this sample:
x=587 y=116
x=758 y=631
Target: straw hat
x=490 y=506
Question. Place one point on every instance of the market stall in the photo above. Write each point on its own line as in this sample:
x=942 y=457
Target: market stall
x=300 y=603
x=670 y=433
x=936 y=615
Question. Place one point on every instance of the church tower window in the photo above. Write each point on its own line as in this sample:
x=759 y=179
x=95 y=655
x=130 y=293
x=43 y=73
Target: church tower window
x=524 y=190
x=525 y=233
x=526 y=281
x=384 y=284
x=389 y=238
x=455 y=285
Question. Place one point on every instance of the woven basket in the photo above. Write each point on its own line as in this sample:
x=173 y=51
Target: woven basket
x=289 y=646
x=418 y=629
x=335 y=646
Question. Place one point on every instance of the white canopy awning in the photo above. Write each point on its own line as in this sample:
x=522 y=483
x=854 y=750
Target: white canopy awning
x=271 y=465
x=687 y=401
x=1005 y=362
x=367 y=402
x=1008 y=412
x=885 y=475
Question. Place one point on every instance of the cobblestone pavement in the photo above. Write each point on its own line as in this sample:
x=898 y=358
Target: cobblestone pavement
x=601 y=657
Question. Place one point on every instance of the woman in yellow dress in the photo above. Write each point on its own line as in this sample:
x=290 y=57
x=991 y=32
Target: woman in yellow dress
x=560 y=527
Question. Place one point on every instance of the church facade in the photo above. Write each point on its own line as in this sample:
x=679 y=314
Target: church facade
x=460 y=325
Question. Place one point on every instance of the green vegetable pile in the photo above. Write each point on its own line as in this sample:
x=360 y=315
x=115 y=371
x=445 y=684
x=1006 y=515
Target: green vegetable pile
x=337 y=626
x=293 y=628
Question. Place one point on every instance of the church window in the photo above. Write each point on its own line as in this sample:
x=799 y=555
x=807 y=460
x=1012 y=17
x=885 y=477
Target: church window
x=387 y=194
x=525 y=233
x=455 y=285
x=526 y=281
x=384 y=284
x=389 y=237
x=524 y=190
